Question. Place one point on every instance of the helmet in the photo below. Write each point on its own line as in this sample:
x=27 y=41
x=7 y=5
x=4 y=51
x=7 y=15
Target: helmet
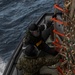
x=31 y=51
x=33 y=28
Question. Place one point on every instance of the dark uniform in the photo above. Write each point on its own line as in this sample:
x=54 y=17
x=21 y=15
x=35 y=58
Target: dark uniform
x=39 y=41
x=31 y=66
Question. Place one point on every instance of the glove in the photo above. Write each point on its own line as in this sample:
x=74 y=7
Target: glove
x=41 y=27
x=49 y=23
x=54 y=16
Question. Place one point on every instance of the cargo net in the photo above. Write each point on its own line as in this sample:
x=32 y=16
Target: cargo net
x=67 y=48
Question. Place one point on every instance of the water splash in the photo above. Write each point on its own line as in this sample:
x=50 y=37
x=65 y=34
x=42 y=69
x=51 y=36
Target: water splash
x=2 y=66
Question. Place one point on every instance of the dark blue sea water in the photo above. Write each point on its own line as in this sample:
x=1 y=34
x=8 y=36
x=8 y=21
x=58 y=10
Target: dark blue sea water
x=15 y=16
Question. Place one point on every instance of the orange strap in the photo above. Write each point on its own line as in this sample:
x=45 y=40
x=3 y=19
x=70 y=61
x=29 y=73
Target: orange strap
x=60 y=70
x=56 y=20
x=61 y=60
x=60 y=8
x=74 y=71
x=57 y=40
x=55 y=31
x=60 y=22
x=58 y=45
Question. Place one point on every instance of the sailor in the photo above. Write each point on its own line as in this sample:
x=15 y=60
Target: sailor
x=31 y=63
x=37 y=35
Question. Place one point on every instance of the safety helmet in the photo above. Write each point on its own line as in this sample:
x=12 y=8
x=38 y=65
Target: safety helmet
x=31 y=51
x=33 y=28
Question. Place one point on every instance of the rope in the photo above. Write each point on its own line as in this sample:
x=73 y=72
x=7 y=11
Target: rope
x=69 y=39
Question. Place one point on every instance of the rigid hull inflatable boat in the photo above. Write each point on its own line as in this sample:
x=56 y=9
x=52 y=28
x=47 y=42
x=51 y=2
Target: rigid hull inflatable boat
x=18 y=53
x=68 y=17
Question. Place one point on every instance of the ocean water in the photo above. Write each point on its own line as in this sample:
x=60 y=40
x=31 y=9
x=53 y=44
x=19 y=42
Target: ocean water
x=15 y=17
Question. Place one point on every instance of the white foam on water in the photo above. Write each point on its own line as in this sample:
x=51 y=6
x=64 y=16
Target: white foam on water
x=2 y=66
